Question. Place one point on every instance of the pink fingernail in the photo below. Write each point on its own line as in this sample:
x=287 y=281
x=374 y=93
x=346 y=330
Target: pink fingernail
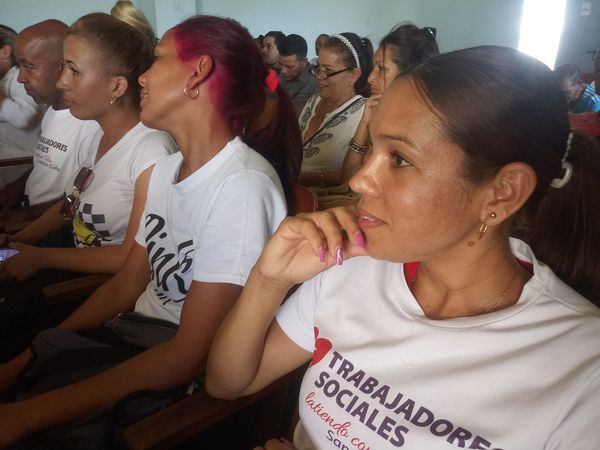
x=339 y=260
x=285 y=441
x=322 y=254
x=360 y=239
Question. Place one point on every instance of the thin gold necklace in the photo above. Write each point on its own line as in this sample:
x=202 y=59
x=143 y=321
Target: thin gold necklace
x=490 y=308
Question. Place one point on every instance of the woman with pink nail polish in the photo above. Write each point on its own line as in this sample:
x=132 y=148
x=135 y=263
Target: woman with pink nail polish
x=441 y=329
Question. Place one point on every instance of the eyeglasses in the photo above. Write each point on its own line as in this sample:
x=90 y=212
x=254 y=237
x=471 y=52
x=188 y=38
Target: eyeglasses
x=319 y=71
x=71 y=202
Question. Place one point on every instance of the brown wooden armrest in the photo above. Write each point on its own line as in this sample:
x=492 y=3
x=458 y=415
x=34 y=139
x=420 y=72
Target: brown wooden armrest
x=192 y=415
x=4 y=162
x=75 y=289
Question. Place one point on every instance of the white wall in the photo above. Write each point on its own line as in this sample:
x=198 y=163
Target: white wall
x=581 y=35
x=19 y=14
x=460 y=23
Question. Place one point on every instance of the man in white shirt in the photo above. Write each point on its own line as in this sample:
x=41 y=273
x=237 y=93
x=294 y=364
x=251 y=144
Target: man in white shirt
x=63 y=144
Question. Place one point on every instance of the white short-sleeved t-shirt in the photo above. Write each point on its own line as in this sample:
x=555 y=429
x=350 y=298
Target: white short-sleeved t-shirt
x=384 y=376
x=210 y=227
x=63 y=147
x=105 y=205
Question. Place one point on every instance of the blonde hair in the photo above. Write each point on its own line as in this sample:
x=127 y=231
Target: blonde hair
x=125 y=11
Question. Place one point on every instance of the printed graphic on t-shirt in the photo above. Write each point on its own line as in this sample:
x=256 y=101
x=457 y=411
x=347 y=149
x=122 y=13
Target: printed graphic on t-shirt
x=359 y=410
x=168 y=268
x=44 y=150
x=44 y=144
x=90 y=228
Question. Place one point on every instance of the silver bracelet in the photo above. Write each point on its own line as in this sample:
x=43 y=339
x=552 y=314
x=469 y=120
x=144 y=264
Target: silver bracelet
x=357 y=148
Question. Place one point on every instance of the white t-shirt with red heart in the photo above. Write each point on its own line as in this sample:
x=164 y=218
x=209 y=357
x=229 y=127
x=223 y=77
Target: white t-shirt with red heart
x=384 y=376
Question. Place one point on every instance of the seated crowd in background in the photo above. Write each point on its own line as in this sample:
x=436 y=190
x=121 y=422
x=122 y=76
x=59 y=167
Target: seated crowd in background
x=581 y=97
x=459 y=213
x=295 y=73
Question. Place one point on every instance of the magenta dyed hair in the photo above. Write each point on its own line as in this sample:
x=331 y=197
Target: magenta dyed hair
x=236 y=84
x=237 y=90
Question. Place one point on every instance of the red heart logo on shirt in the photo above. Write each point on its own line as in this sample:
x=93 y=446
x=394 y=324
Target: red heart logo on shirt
x=322 y=347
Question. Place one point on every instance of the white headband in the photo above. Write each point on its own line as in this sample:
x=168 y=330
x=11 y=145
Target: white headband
x=348 y=44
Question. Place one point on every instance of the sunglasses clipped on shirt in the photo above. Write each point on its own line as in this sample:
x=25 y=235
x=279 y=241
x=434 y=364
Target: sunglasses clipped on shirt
x=71 y=202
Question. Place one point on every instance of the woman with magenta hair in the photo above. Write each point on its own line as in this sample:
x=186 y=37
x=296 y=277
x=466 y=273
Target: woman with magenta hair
x=210 y=209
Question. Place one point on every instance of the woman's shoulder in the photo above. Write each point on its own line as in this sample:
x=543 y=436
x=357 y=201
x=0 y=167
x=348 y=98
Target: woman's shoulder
x=146 y=137
x=252 y=174
x=551 y=299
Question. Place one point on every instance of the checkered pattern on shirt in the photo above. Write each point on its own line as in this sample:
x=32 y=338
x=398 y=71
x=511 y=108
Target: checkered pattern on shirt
x=94 y=222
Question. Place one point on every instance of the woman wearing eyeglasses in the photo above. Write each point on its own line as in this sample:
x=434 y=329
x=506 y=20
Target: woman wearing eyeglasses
x=329 y=120
x=104 y=203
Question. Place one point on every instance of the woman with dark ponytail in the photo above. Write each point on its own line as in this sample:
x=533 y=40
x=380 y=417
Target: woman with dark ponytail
x=440 y=329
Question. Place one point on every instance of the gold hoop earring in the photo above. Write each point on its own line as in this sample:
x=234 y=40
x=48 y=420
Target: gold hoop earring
x=194 y=95
x=482 y=229
x=113 y=100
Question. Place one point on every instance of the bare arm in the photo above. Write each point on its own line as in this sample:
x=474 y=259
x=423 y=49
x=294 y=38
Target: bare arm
x=49 y=221
x=166 y=365
x=117 y=295
x=250 y=350
x=259 y=361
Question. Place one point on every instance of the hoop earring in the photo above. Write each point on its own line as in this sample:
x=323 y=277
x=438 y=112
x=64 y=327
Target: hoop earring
x=482 y=229
x=194 y=95
x=114 y=100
